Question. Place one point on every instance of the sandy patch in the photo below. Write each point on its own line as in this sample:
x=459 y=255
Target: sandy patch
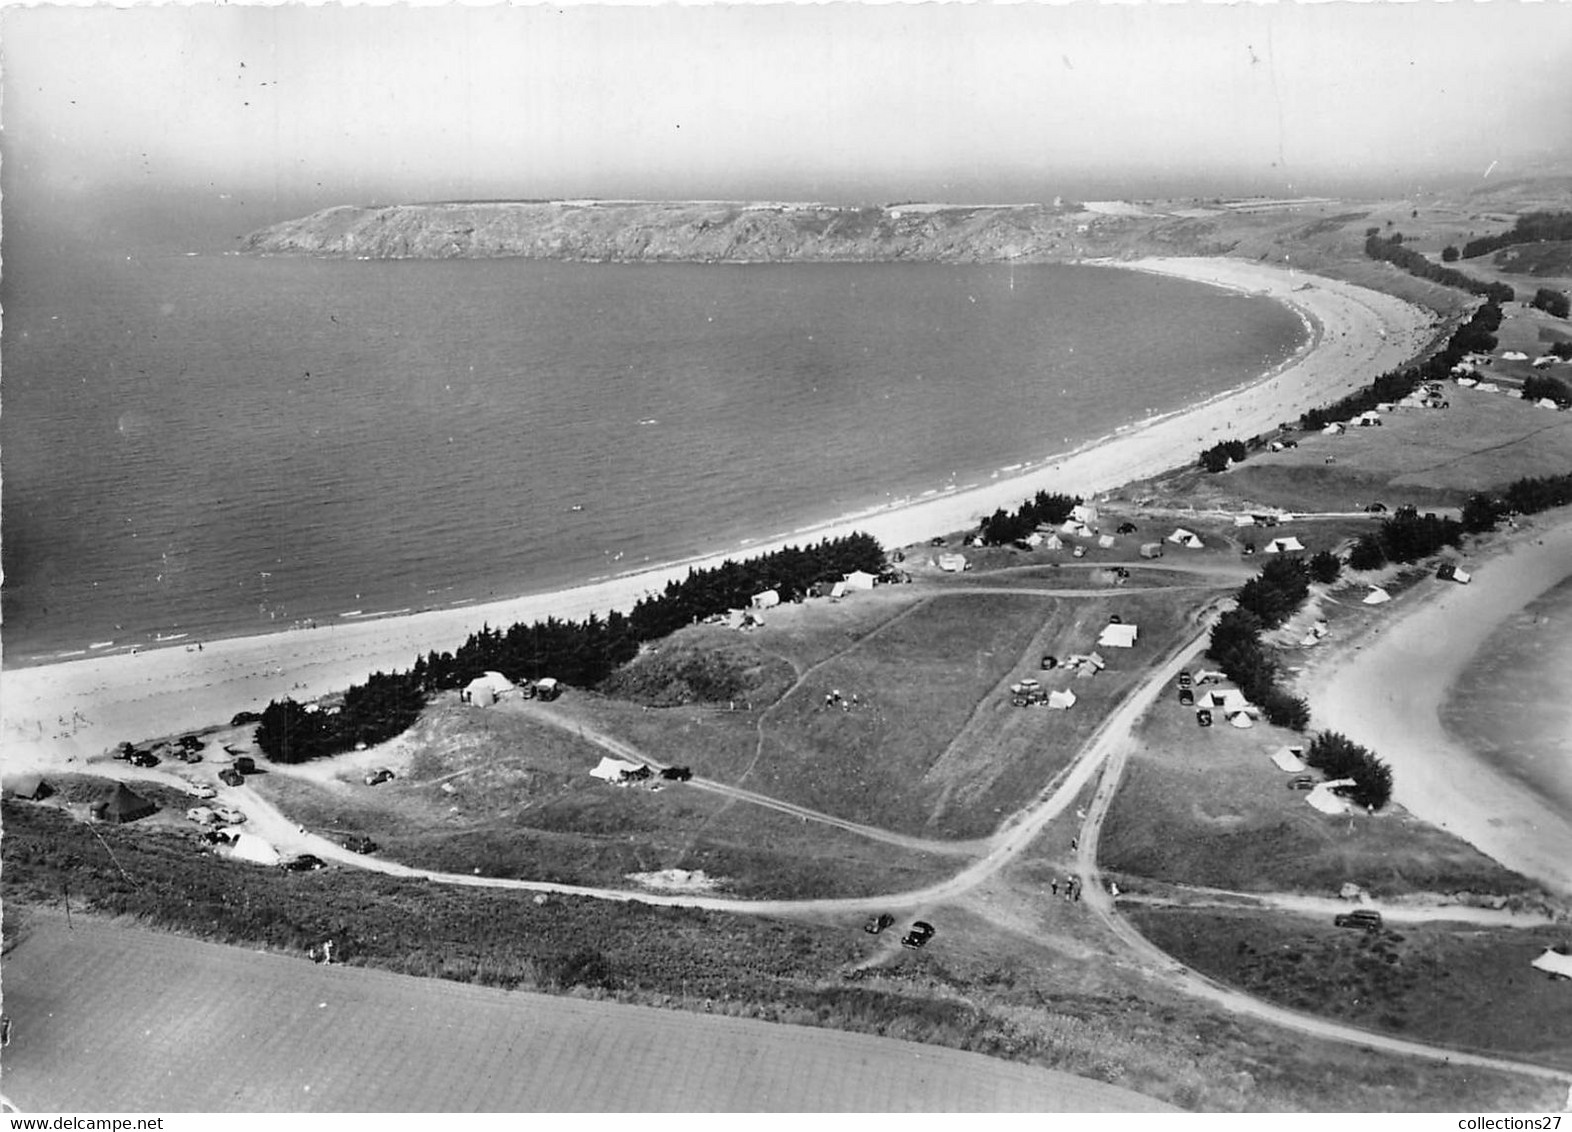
x=1387 y=691
x=676 y=880
x=62 y=713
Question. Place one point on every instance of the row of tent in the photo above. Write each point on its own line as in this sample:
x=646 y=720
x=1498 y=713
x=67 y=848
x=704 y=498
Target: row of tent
x=121 y=804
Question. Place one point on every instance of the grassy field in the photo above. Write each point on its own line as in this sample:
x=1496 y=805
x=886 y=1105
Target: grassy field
x=974 y=988
x=1206 y=806
x=473 y=797
x=1468 y=988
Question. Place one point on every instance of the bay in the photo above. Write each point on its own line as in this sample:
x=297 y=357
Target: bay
x=218 y=444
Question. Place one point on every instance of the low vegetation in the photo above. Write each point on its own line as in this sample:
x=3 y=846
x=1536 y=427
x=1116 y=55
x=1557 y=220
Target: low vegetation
x=1393 y=251
x=580 y=653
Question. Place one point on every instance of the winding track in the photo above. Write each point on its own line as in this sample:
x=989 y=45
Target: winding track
x=1102 y=758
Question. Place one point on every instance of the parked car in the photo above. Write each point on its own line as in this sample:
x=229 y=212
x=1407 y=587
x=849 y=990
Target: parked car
x=1020 y=701
x=877 y=924
x=1049 y=662
x=1204 y=717
x=245 y=764
x=202 y=815
x=212 y=837
x=1125 y=529
x=202 y=790
x=379 y=776
x=305 y=863
x=921 y=933
x=124 y=751
x=240 y=719
x=1186 y=697
x=230 y=814
x=1301 y=782
x=1184 y=678
x=142 y=758
x=677 y=773
x=188 y=755
x=1376 y=509
x=360 y=844
x=229 y=776
x=1247 y=550
x=1366 y=918
x=1021 y=687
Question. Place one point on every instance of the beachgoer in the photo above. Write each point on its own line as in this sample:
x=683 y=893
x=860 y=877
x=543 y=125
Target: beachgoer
x=1055 y=886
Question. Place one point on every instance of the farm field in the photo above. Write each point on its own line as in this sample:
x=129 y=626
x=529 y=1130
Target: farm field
x=113 y=1018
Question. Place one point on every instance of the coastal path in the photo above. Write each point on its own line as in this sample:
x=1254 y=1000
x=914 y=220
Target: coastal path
x=1324 y=907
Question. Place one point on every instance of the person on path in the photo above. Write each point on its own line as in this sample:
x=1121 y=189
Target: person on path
x=1055 y=886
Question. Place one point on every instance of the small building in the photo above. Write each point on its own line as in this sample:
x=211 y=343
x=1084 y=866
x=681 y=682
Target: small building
x=1151 y=550
x=1117 y=637
x=862 y=580
x=768 y=599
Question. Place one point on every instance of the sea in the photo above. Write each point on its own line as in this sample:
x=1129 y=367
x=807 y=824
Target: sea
x=199 y=445
x=1513 y=703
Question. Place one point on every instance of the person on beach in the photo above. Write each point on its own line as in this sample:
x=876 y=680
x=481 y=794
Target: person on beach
x=1055 y=886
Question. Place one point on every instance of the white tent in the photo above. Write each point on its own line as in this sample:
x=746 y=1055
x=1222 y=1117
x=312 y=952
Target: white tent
x=611 y=769
x=1461 y=576
x=486 y=689
x=1468 y=382
x=1322 y=798
x=1053 y=542
x=1034 y=540
x=1514 y=356
x=862 y=580
x=1554 y=962
x=1233 y=700
x=1546 y=403
x=1488 y=387
x=768 y=599
x=1332 y=429
x=1241 y=719
x=1282 y=545
x=250 y=847
x=1288 y=760
x=1064 y=700
x=1377 y=596
x=1117 y=637
x=952 y=563
x=1106 y=541
x=1084 y=513
x=1244 y=520
x=1185 y=538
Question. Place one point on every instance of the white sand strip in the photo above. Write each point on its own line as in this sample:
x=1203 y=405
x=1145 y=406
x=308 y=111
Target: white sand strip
x=54 y=713
x=1388 y=696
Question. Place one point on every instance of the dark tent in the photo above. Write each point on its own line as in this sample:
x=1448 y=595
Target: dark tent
x=30 y=787
x=122 y=805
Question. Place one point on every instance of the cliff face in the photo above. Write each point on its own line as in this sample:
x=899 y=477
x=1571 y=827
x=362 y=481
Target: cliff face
x=703 y=232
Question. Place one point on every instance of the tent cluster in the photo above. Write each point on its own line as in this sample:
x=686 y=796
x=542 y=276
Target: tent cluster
x=489 y=687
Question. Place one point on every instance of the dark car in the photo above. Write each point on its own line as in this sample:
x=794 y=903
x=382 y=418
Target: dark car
x=360 y=844
x=125 y=751
x=1204 y=717
x=921 y=933
x=379 y=776
x=1376 y=508
x=877 y=924
x=676 y=773
x=229 y=776
x=1366 y=918
x=305 y=863
x=1186 y=697
x=1247 y=550
x=245 y=764
x=142 y=758
x=1125 y=529
x=1301 y=782
x=240 y=719
x=1048 y=662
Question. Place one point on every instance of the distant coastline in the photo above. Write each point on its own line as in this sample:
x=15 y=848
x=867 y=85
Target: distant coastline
x=162 y=690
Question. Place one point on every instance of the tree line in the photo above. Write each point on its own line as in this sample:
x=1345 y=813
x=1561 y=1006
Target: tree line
x=1393 y=251
x=1552 y=302
x=1262 y=604
x=1407 y=536
x=1531 y=228
x=1526 y=496
x=1003 y=528
x=582 y=653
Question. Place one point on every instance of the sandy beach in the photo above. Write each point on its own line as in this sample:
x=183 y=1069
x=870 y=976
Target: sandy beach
x=1386 y=692
x=53 y=714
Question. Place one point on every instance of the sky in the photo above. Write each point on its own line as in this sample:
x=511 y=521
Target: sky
x=288 y=106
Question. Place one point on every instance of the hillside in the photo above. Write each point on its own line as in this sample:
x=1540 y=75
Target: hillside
x=727 y=232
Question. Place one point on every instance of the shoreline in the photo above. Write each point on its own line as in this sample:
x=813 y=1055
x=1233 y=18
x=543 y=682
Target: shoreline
x=1385 y=691
x=72 y=709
